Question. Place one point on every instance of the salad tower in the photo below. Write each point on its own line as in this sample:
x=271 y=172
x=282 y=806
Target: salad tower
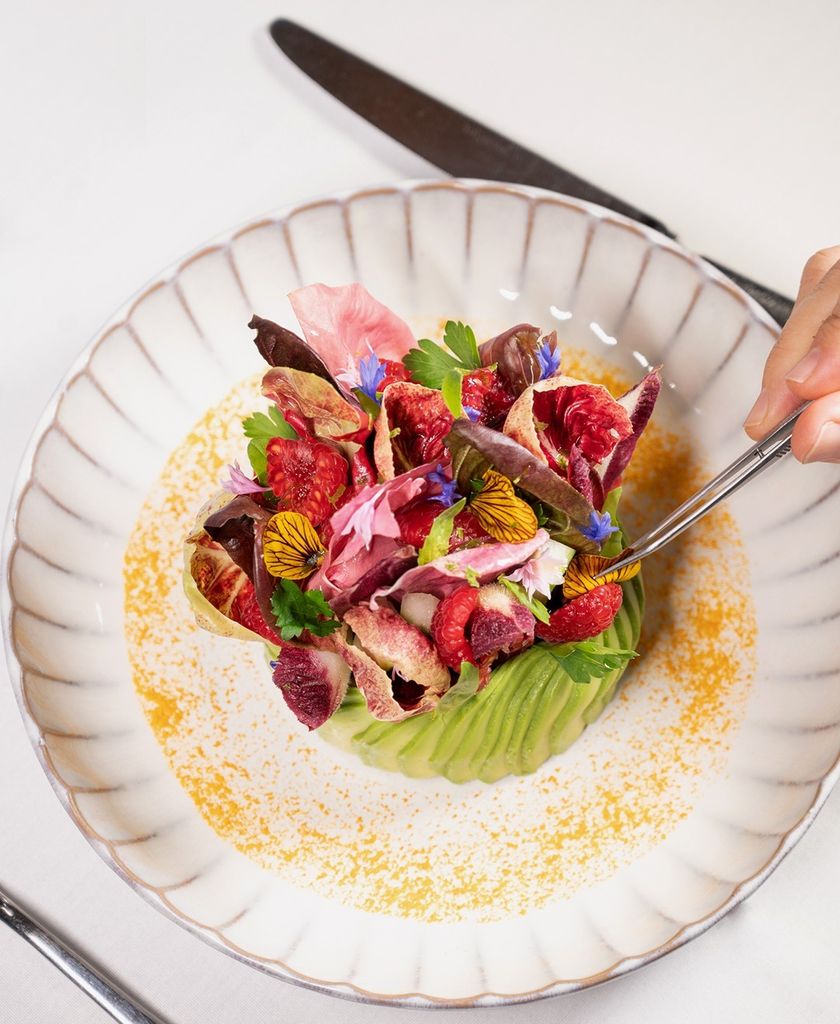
x=423 y=538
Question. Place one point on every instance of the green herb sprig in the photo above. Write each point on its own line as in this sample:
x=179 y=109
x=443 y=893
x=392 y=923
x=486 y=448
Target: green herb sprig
x=429 y=363
x=589 y=660
x=296 y=610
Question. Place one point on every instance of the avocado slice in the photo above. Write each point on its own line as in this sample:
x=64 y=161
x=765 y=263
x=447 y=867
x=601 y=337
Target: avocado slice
x=530 y=710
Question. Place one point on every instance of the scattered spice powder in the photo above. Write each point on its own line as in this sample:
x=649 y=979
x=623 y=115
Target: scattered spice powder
x=428 y=849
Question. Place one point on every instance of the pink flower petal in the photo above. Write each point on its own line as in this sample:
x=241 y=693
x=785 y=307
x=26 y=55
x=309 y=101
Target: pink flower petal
x=347 y=323
x=445 y=574
x=239 y=483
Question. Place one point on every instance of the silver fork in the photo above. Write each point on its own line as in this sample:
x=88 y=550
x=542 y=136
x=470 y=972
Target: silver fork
x=113 y=1000
x=746 y=467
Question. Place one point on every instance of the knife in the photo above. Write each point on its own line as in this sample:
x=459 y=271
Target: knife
x=456 y=143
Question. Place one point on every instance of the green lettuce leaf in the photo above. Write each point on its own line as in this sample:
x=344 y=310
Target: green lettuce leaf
x=436 y=543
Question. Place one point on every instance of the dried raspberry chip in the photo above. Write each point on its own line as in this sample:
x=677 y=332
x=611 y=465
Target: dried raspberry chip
x=394 y=371
x=306 y=475
x=489 y=395
x=449 y=626
x=584 y=617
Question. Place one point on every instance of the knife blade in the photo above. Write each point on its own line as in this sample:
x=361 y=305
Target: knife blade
x=455 y=143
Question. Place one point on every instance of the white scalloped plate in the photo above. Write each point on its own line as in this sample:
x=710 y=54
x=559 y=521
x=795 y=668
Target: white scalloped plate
x=674 y=806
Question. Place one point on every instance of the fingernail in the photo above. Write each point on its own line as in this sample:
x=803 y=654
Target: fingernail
x=759 y=411
x=826 y=448
x=804 y=368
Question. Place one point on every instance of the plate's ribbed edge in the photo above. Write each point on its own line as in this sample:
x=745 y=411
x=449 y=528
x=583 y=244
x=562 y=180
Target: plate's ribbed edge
x=109 y=851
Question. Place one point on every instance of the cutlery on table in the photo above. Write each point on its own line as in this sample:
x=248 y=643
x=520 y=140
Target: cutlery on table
x=92 y=981
x=456 y=143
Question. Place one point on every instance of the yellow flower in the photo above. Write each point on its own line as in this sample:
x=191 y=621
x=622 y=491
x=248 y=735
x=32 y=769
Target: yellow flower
x=502 y=514
x=581 y=573
x=291 y=547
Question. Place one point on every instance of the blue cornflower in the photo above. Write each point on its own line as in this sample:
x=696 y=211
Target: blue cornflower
x=448 y=488
x=472 y=414
x=371 y=375
x=549 y=360
x=600 y=527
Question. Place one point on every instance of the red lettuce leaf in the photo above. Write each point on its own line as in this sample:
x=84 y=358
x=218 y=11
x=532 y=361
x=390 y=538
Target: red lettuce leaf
x=282 y=347
x=238 y=527
x=514 y=352
x=475 y=447
x=638 y=403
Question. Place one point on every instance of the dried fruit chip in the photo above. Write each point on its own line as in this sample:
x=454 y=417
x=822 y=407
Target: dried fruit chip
x=307 y=476
x=410 y=429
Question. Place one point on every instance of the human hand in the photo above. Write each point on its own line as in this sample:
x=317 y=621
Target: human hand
x=805 y=364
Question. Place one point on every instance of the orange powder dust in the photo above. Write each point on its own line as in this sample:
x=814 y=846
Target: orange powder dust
x=429 y=849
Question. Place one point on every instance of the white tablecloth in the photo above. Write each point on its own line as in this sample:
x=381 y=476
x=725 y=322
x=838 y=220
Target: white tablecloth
x=133 y=131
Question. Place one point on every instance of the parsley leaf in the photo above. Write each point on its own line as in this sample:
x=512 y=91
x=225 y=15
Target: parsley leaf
x=436 y=543
x=429 y=363
x=589 y=660
x=296 y=610
x=261 y=428
x=535 y=606
x=460 y=339
x=460 y=692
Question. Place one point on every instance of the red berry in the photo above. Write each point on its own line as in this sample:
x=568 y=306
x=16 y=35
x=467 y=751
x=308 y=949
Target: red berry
x=584 y=617
x=393 y=371
x=306 y=475
x=486 y=392
x=449 y=626
x=415 y=521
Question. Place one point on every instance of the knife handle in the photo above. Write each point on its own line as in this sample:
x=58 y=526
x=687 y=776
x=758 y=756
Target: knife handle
x=778 y=306
x=92 y=982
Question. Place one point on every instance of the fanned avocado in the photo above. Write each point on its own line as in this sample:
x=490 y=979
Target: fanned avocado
x=530 y=710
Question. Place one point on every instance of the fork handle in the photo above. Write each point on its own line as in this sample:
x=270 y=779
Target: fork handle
x=92 y=982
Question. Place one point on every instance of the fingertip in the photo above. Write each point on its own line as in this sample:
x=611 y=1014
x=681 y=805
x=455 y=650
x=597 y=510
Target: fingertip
x=816 y=437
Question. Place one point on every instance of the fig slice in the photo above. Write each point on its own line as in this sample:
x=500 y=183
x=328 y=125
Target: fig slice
x=395 y=644
x=500 y=624
x=313 y=682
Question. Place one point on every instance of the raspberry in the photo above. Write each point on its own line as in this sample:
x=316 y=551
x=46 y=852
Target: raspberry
x=415 y=521
x=449 y=626
x=393 y=371
x=486 y=392
x=584 y=617
x=305 y=475
x=246 y=612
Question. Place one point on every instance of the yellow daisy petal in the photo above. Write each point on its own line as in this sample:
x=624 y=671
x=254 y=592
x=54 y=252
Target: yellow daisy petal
x=291 y=547
x=501 y=512
x=581 y=573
